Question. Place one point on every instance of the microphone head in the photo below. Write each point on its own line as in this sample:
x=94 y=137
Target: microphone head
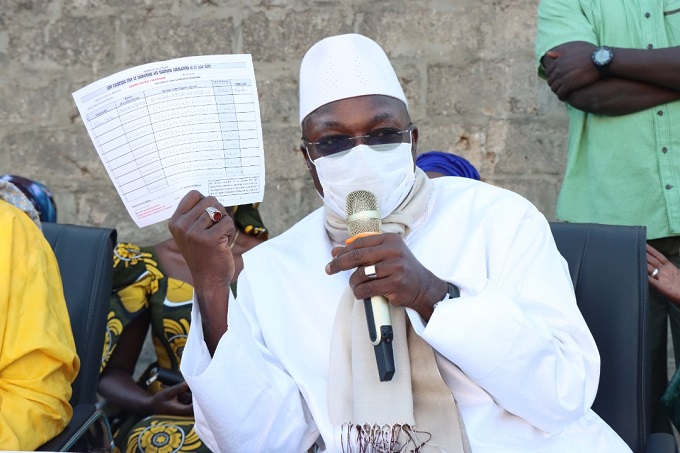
x=363 y=215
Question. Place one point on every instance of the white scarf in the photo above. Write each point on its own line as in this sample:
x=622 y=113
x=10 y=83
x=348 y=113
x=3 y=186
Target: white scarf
x=415 y=411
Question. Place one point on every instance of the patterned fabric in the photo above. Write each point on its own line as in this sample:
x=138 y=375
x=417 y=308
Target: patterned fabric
x=139 y=286
x=164 y=435
x=247 y=219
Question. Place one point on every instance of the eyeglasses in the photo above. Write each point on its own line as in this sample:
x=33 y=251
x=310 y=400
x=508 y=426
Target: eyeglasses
x=334 y=144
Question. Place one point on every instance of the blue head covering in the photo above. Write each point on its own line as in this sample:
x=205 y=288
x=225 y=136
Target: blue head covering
x=447 y=164
x=38 y=194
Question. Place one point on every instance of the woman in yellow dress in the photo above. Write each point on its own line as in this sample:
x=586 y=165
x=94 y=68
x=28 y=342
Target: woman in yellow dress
x=38 y=361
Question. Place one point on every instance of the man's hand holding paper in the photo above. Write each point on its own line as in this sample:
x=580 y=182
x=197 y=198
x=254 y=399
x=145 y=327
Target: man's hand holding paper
x=204 y=243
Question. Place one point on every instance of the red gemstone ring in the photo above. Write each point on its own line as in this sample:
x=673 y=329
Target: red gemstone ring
x=214 y=214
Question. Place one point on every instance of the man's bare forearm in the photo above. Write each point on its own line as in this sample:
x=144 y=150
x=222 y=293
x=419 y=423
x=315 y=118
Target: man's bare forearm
x=569 y=68
x=617 y=97
x=213 y=306
x=659 y=67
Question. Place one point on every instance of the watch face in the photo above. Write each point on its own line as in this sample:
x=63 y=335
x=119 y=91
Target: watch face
x=602 y=56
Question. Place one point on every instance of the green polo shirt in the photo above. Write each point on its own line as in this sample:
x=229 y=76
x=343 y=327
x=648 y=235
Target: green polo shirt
x=622 y=170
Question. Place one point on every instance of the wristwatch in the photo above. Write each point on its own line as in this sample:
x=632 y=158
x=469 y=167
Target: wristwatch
x=602 y=57
x=451 y=293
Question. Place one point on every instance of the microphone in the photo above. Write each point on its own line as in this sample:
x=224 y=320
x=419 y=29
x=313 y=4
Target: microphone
x=363 y=219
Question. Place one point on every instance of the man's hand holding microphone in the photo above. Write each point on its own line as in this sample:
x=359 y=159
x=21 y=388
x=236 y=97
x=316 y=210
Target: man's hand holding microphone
x=386 y=272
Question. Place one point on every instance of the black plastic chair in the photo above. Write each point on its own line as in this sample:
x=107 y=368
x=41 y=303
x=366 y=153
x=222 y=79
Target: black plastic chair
x=85 y=258
x=608 y=266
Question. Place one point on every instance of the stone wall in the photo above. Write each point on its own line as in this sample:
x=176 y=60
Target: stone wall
x=467 y=67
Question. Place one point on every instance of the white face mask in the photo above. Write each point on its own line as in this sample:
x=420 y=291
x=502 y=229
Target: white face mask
x=384 y=170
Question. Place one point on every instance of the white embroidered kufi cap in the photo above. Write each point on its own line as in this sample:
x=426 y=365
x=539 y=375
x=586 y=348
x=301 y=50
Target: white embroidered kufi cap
x=342 y=67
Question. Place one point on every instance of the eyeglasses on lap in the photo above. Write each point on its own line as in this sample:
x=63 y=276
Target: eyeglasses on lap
x=333 y=144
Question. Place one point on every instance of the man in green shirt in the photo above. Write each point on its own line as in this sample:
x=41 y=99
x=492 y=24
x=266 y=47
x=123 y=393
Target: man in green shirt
x=616 y=63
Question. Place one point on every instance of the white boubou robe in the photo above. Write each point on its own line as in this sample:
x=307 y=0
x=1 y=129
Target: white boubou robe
x=514 y=348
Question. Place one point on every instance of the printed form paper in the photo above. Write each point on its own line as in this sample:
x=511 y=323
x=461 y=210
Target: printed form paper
x=165 y=128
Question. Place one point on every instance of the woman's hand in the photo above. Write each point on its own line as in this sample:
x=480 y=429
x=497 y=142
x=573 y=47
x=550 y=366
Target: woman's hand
x=666 y=280
x=174 y=400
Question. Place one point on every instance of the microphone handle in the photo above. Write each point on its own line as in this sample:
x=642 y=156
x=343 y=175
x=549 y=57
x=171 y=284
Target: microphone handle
x=381 y=335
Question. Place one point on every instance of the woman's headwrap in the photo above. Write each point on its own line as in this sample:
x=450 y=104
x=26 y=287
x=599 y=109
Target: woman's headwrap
x=38 y=194
x=447 y=164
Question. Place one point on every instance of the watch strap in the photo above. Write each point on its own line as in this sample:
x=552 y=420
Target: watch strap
x=452 y=293
x=603 y=70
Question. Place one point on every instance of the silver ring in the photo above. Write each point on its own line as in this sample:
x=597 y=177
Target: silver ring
x=369 y=271
x=655 y=272
x=214 y=214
